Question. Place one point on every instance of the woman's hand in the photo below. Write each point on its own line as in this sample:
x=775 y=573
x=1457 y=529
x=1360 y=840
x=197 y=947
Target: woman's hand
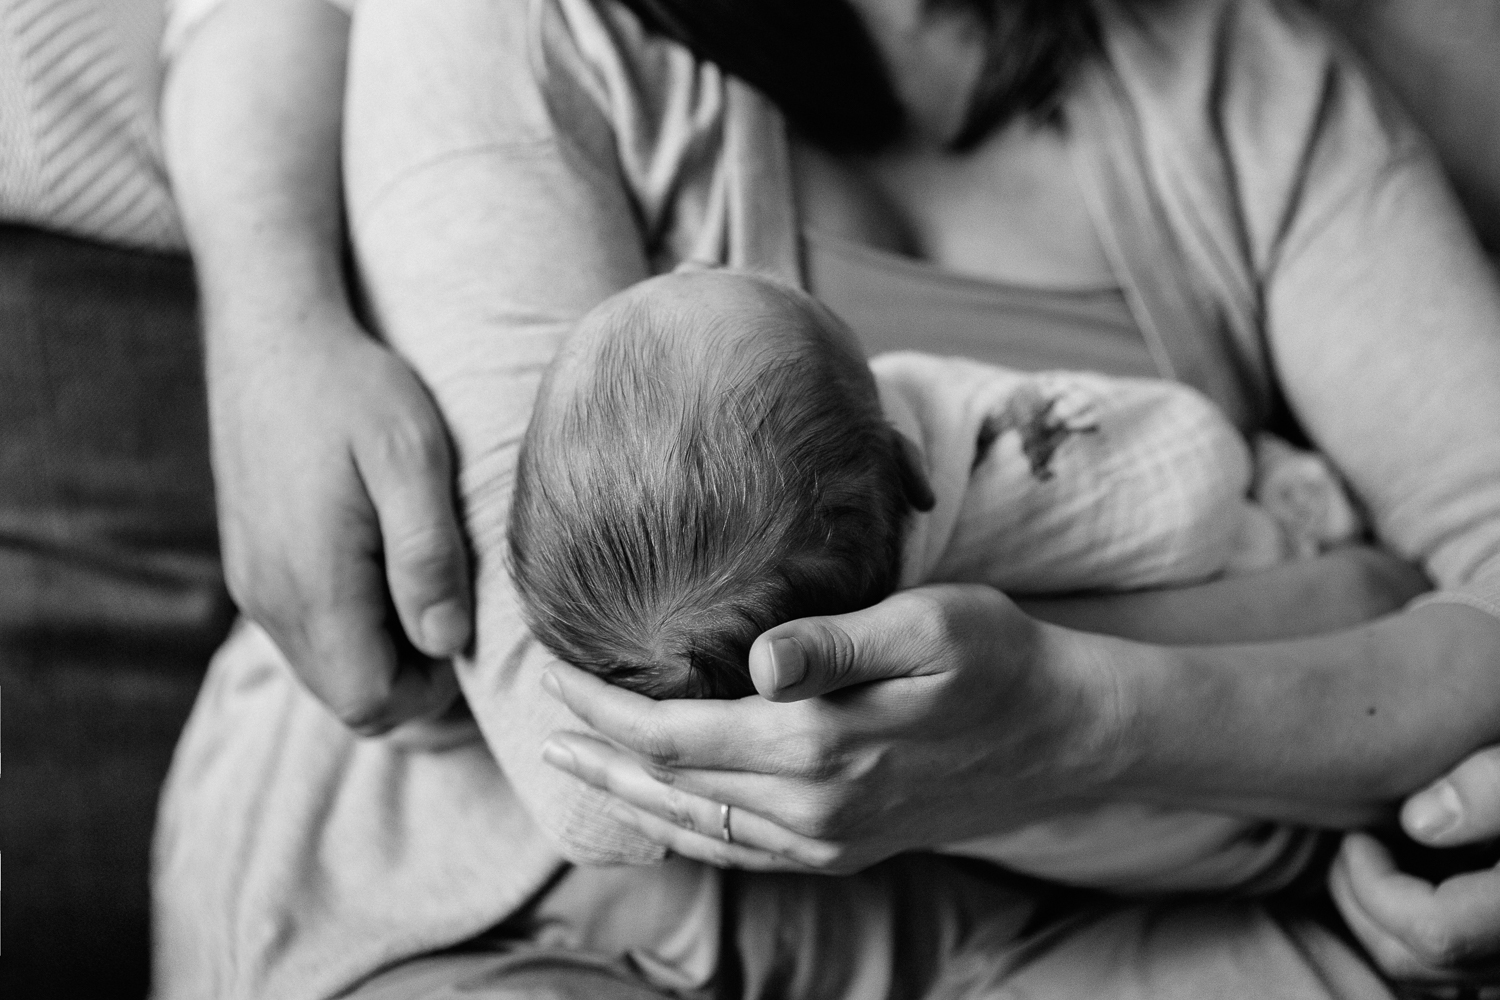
x=938 y=714
x=807 y=816
x=1415 y=930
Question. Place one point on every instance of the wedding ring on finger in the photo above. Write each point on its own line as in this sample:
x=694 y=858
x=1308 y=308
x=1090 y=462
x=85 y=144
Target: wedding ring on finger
x=724 y=828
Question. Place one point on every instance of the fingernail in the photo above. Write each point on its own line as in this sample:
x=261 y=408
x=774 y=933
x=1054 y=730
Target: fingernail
x=445 y=628
x=788 y=663
x=559 y=756
x=550 y=685
x=1435 y=811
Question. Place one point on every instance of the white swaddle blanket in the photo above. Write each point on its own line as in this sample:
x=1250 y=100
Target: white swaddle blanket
x=1061 y=482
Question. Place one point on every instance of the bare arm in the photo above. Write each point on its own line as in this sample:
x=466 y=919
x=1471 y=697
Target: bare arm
x=1329 y=731
x=252 y=111
x=1339 y=590
x=331 y=463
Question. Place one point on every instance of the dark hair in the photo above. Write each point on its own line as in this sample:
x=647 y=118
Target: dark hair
x=661 y=520
x=818 y=63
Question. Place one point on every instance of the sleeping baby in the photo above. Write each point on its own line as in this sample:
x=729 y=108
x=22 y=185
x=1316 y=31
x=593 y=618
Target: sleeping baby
x=711 y=454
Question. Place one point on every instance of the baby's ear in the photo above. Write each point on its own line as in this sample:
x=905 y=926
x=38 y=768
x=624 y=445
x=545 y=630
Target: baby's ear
x=913 y=472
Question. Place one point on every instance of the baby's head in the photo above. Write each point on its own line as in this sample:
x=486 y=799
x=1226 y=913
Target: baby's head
x=707 y=458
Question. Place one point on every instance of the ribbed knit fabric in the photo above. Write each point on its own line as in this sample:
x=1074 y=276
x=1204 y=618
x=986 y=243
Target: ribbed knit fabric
x=80 y=149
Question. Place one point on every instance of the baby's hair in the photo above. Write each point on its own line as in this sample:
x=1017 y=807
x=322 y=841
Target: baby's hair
x=685 y=488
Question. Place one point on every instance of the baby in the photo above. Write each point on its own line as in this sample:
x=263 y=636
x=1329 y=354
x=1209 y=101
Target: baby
x=711 y=454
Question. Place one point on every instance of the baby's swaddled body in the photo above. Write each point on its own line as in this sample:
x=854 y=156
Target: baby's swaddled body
x=711 y=455
x=1064 y=482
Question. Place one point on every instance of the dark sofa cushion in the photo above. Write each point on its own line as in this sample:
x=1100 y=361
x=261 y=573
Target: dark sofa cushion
x=110 y=595
x=106 y=500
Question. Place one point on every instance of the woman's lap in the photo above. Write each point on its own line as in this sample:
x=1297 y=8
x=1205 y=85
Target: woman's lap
x=914 y=927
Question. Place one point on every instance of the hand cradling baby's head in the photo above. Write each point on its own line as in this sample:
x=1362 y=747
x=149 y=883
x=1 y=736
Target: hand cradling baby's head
x=707 y=458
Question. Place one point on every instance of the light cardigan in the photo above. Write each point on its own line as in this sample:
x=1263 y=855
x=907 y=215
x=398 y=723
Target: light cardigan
x=1280 y=232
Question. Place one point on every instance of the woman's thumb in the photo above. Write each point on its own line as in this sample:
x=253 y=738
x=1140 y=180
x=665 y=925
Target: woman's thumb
x=813 y=656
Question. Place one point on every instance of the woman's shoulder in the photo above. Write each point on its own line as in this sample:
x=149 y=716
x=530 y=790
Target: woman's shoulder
x=1276 y=29
x=1268 y=73
x=1262 y=97
x=606 y=44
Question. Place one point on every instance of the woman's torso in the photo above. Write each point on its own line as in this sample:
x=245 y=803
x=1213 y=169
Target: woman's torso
x=895 y=302
x=989 y=254
x=1009 y=211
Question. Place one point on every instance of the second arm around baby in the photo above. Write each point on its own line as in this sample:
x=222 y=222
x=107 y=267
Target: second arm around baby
x=710 y=456
x=675 y=467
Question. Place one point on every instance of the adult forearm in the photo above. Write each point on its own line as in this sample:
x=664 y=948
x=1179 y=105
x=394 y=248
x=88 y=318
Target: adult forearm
x=1330 y=730
x=1339 y=590
x=252 y=114
x=331 y=463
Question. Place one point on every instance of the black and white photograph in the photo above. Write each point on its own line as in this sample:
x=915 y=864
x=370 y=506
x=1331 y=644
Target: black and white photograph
x=750 y=499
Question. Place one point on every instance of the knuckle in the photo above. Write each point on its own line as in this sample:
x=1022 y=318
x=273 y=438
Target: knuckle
x=798 y=817
x=839 y=654
x=940 y=619
x=806 y=754
x=663 y=775
x=366 y=717
x=409 y=443
x=365 y=709
x=821 y=769
x=930 y=621
x=859 y=776
x=424 y=552
x=816 y=818
x=680 y=811
x=657 y=745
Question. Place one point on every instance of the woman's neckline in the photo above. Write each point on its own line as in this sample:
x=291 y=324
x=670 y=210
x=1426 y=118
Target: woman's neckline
x=939 y=215
x=933 y=274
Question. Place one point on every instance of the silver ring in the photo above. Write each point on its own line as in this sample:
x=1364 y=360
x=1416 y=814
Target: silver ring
x=724 y=824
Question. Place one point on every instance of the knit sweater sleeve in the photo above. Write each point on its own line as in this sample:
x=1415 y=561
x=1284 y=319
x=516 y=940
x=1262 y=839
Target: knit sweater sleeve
x=1344 y=279
x=184 y=16
x=1382 y=320
x=507 y=166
